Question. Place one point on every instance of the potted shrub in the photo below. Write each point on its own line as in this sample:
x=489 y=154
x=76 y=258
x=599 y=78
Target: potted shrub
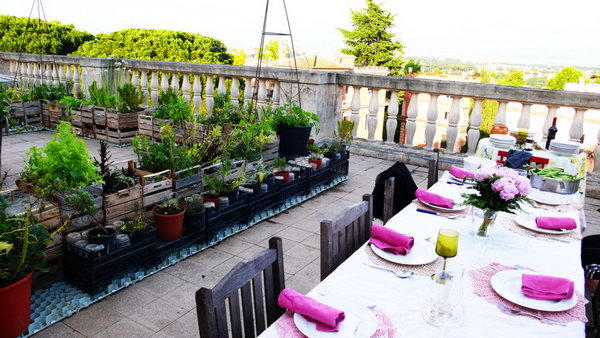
x=22 y=245
x=282 y=168
x=195 y=220
x=136 y=228
x=293 y=125
x=265 y=174
x=169 y=219
x=341 y=138
x=214 y=185
x=315 y=155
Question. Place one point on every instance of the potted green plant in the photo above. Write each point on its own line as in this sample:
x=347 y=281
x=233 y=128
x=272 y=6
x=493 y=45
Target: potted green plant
x=315 y=155
x=264 y=174
x=169 y=219
x=137 y=228
x=282 y=168
x=344 y=135
x=293 y=125
x=22 y=245
x=195 y=220
x=214 y=185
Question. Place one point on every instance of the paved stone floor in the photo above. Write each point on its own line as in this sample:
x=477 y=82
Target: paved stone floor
x=163 y=305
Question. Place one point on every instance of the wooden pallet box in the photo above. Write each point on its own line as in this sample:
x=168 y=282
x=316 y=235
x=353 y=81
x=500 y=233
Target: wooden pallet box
x=123 y=203
x=270 y=152
x=187 y=182
x=155 y=187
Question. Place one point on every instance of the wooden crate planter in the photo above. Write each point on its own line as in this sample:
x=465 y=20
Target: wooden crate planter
x=155 y=187
x=123 y=203
x=28 y=112
x=150 y=126
x=113 y=119
x=270 y=152
x=190 y=184
x=115 y=135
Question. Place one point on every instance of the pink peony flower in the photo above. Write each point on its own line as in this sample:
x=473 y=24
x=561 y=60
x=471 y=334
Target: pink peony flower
x=506 y=188
x=507 y=172
x=484 y=173
x=523 y=185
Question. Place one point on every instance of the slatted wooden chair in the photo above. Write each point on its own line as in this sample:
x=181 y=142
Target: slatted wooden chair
x=388 y=199
x=343 y=235
x=257 y=283
x=432 y=174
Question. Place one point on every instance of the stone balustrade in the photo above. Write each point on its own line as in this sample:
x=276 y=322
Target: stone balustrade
x=325 y=93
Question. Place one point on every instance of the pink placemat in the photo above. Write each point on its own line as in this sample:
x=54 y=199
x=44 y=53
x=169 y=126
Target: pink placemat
x=482 y=287
x=287 y=329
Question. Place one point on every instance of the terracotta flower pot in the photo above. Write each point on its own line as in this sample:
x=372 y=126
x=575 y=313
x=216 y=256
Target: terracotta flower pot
x=212 y=198
x=318 y=162
x=499 y=129
x=284 y=174
x=16 y=306
x=169 y=227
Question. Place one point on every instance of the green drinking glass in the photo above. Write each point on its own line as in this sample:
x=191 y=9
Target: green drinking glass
x=447 y=243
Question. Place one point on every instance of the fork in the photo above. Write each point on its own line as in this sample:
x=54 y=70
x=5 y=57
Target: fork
x=400 y=274
x=435 y=213
x=517 y=312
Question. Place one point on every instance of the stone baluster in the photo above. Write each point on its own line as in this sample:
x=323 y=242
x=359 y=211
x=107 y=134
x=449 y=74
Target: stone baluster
x=276 y=94
x=501 y=113
x=185 y=87
x=235 y=91
x=175 y=82
x=576 y=131
x=144 y=86
x=475 y=122
x=355 y=107
x=221 y=89
x=62 y=74
x=262 y=93
x=47 y=74
x=69 y=74
x=197 y=92
x=54 y=75
x=372 y=118
x=525 y=115
x=248 y=92
x=37 y=71
x=154 y=88
x=549 y=117
x=411 y=121
x=26 y=77
x=432 y=115
x=76 y=80
x=210 y=91
x=392 y=120
x=135 y=78
x=453 y=119
x=164 y=82
x=12 y=70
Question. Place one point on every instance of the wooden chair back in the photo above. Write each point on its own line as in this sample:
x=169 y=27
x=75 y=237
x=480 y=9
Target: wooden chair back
x=388 y=199
x=343 y=235
x=432 y=174
x=248 y=293
x=540 y=161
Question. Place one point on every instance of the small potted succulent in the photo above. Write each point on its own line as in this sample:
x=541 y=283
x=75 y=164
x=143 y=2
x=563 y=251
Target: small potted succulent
x=282 y=168
x=213 y=185
x=22 y=245
x=232 y=191
x=136 y=228
x=265 y=174
x=169 y=219
x=195 y=220
x=316 y=154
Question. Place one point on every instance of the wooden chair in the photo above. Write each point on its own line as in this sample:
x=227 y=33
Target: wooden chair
x=432 y=174
x=257 y=282
x=388 y=199
x=343 y=235
x=540 y=161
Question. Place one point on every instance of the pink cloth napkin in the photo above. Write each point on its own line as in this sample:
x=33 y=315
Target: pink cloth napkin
x=555 y=223
x=389 y=240
x=435 y=199
x=546 y=287
x=327 y=318
x=460 y=173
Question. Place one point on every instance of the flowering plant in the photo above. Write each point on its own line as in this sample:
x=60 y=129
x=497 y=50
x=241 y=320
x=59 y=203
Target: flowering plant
x=498 y=189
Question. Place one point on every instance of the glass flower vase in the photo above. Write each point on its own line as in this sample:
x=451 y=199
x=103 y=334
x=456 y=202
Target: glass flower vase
x=489 y=216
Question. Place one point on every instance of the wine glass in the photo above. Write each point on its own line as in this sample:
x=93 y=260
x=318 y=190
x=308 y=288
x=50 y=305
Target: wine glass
x=446 y=294
x=446 y=245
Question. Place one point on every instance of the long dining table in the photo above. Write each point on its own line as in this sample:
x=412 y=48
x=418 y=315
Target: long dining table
x=405 y=300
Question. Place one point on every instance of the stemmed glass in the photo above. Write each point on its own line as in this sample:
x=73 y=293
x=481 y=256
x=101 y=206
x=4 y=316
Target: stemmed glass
x=446 y=245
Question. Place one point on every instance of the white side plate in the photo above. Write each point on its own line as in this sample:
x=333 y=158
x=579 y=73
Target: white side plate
x=528 y=222
x=422 y=252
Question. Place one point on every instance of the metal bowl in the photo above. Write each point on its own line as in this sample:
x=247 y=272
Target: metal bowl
x=554 y=185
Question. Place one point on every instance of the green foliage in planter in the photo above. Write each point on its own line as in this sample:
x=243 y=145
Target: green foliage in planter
x=292 y=115
x=247 y=141
x=167 y=154
x=194 y=204
x=102 y=97
x=342 y=136
x=61 y=165
x=169 y=206
x=168 y=96
x=281 y=164
x=114 y=179
x=4 y=102
x=130 y=98
x=71 y=103
x=262 y=172
x=22 y=246
x=82 y=202
x=47 y=92
x=213 y=183
x=137 y=223
x=225 y=112
x=178 y=111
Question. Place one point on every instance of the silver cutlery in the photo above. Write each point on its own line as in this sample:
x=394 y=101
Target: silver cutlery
x=399 y=274
x=517 y=312
x=435 y=213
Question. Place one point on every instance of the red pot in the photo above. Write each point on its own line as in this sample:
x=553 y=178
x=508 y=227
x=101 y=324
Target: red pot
x=168 y=227
x=15 y=309
x=318 y=162
x=284 y=174
x=212 y=198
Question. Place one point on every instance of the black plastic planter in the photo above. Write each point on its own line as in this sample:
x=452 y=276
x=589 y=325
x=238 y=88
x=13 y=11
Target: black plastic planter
x=293 y=141
x=106 y=237
x=270 y=181
x=137 y=236
x=232 y=195
x=194 y=222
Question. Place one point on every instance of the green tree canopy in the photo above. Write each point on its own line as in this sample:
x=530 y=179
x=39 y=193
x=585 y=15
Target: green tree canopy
x=157 y=44
x=370 y=40
x=39 y=37
x=514 y=78
x=567 y=74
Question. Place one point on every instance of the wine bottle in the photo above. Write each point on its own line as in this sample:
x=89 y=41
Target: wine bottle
x=551 y=133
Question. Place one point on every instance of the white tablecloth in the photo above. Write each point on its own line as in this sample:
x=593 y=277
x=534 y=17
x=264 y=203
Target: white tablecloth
x=404 y=300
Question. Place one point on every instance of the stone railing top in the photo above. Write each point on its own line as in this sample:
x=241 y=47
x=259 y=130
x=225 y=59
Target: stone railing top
x=441 y=87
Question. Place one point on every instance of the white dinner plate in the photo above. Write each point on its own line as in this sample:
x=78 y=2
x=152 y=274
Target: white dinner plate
x=455 y=209
x=422 y=252
x=528 y=222
x=550 y=198
x=354 y=315
x=507 y=284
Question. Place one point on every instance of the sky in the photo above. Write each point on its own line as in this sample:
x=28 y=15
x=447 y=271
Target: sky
x=523 y=31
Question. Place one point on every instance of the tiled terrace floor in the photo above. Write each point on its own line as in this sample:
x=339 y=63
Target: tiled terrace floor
x=163 y=305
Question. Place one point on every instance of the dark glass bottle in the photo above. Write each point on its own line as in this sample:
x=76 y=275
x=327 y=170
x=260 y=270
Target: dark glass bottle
x=551 y=133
